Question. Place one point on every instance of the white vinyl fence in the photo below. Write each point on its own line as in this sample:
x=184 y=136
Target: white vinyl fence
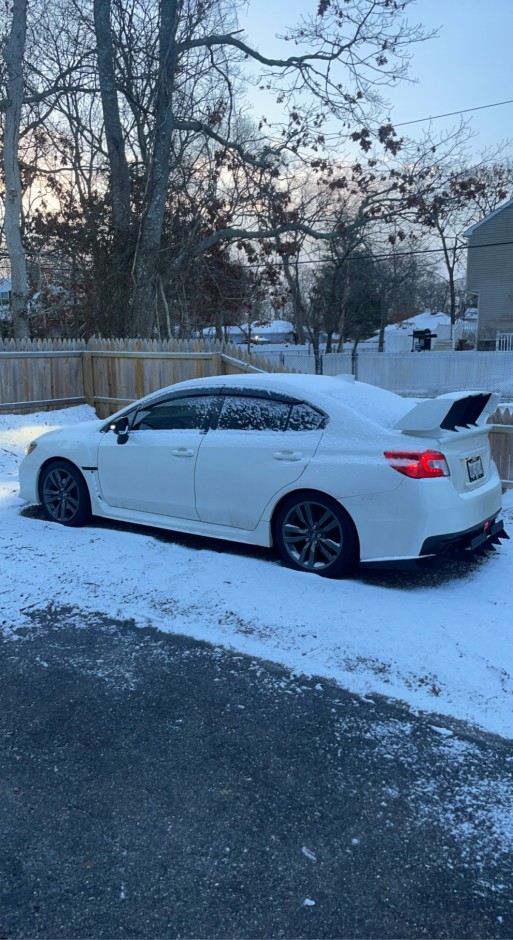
x=504 y=341
x=423 y=374
x=429 y=374
x=299 y=360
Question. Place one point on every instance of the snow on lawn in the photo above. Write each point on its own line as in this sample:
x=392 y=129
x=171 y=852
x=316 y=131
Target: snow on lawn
x=440 y=641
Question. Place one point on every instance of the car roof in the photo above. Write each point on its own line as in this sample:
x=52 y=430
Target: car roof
x=376 y=405
x=292 y=382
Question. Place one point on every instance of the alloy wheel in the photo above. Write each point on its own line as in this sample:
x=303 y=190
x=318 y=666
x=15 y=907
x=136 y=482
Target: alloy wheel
x=312 y=535
x=61 y=495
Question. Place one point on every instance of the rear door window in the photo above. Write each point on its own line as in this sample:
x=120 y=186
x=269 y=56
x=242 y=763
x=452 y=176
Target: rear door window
x=244 y=413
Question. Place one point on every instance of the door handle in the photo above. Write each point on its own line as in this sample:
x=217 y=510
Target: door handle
x=182 y=452
x=290 y=455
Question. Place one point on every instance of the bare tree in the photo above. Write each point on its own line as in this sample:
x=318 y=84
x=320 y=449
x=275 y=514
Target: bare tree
x=451 y=195
x=197 y=44
x=153 y=165
x=13 y=53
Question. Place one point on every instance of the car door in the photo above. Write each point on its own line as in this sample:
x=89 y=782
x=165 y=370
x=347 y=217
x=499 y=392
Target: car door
x=154 y=470
x=259 y=445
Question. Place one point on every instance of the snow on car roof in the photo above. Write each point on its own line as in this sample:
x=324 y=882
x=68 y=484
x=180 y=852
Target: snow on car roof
x=376 y=404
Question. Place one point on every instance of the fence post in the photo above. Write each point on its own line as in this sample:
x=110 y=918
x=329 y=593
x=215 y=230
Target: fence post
x=88 y=377
x=354 y=364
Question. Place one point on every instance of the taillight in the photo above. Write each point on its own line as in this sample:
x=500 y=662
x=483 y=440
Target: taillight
x=418 y=465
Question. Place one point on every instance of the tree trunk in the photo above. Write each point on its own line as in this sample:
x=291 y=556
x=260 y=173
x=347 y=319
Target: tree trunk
x=119 y=282
x=299 y=323
x=220 y=326
x=452 y=289
x=145 y=268
x=382 y=322
x=450 y=264
x=298 y=305
x=315 y=336
x=13 y=55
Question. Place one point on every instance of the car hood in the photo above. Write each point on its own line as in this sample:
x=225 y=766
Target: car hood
x=76 y=432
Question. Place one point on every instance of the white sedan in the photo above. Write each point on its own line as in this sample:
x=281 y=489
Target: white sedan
x=332 y=472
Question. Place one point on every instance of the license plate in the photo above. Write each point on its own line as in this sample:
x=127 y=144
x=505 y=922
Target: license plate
x=475 y=468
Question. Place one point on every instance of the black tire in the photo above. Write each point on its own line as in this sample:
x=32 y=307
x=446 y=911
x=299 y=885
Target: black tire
x=64 y=495
x=314 y=534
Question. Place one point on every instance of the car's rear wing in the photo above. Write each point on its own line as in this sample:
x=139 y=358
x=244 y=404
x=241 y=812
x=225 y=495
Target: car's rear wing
x=454 y=411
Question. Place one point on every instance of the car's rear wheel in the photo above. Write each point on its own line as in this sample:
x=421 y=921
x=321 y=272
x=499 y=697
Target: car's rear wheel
x=64 y=494
x=313 y=533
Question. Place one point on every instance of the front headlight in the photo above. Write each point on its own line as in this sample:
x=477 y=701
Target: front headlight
x=30 y=447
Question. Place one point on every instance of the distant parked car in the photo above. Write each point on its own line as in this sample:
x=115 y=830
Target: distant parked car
x=331 y=471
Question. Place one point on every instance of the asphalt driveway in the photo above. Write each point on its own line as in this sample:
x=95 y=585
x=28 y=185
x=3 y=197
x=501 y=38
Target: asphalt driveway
x=153 y=786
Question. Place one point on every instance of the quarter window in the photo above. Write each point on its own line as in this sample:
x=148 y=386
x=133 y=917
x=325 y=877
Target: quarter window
x=305 y=418
x=175 y=414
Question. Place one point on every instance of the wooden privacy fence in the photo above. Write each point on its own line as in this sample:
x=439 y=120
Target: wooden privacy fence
x=501 y=442
x=37 y=376
x=107 y=374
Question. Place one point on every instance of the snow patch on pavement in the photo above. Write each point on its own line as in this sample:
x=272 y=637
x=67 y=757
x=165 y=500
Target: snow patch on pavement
x=439 y=641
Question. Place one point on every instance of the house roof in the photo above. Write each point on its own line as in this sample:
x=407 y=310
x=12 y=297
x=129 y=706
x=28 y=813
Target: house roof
x=260 y=327
x=272 y=326
x=471 y=230
x=421 y=321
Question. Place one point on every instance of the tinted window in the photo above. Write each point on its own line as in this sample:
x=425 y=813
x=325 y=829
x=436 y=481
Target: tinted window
x=252 y=414
x=305 y=418
x=175 y=414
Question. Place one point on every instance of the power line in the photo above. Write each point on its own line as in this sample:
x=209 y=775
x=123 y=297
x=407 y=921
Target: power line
x=435 y=117
x=427 y=251
x=394 y=255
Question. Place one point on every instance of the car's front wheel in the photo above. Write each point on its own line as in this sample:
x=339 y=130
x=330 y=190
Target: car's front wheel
x=64 y=494
x=313 y=533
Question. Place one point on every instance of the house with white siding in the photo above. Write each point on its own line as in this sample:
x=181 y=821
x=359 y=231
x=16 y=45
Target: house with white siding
x=490 y=276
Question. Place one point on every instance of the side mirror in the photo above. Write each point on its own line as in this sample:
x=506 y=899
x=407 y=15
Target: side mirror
x=120 y=428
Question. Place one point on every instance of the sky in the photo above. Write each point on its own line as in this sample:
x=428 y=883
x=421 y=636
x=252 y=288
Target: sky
x=468 y=65
x=440 y=642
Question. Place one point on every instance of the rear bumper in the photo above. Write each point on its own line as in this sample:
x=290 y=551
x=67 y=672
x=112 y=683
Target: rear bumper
x=486 y=534
x=456 y=544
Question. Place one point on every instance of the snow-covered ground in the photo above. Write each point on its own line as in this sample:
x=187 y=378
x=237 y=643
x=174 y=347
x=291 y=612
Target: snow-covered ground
x=440 y=641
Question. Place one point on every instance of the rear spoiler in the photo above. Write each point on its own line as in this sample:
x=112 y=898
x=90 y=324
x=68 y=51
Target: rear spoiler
x=453 y=411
